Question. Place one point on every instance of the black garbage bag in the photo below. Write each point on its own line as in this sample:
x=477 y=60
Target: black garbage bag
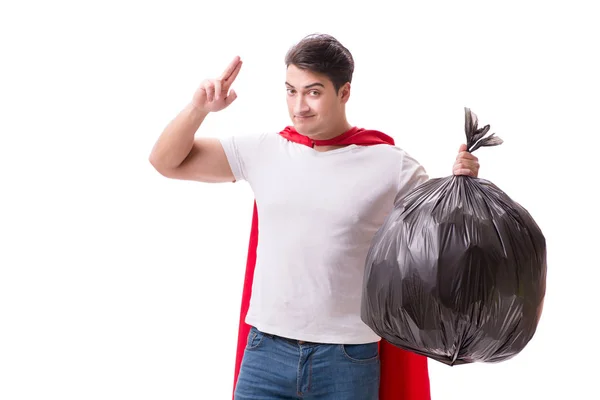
x=458 y=271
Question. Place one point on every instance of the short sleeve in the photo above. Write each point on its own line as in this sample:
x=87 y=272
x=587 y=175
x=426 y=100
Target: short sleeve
x=242 y=153
x=412 y=174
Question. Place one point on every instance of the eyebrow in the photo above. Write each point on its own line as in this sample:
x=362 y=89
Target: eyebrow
x=309 y=86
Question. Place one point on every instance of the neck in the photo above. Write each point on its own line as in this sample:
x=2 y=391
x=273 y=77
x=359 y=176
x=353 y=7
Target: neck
x=332 y=133
x=336 y=131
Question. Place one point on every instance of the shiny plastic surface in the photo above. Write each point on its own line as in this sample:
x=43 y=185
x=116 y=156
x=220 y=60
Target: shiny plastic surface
x=458 y=271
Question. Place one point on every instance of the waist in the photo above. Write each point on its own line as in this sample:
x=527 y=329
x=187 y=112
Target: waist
x=297 y=334
x=287 y=339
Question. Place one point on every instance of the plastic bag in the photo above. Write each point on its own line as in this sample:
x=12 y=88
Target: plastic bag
x=458 y=271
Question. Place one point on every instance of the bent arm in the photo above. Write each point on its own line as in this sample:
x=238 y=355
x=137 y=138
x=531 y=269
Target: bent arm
x=177 y=154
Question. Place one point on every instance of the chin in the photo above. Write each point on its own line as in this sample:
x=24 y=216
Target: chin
x=304 y=131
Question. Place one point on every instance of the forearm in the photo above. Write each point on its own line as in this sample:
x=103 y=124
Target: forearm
x=177 y=139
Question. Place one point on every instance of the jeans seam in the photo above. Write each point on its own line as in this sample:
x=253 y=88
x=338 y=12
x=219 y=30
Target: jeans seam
x=299 y=373
x=310 y=373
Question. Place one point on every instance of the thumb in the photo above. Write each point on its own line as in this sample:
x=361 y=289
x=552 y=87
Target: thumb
x=463 y=147
x=231 y=97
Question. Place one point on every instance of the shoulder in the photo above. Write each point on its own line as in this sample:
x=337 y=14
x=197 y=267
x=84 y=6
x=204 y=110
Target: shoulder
x=393 y=153
x=251 y=140
x=400 y=163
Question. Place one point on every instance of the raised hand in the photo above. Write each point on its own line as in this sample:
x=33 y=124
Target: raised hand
x=214 y=94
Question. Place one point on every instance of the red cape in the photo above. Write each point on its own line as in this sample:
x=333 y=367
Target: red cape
x=404 y=375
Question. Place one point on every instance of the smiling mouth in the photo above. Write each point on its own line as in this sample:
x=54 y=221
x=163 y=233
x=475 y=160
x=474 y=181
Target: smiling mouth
x=304 y=116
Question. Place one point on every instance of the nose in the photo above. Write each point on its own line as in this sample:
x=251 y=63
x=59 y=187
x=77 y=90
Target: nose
x=301 y=106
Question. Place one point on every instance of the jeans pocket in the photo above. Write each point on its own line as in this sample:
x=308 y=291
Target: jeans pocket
x=361 y=353
x=255 y=337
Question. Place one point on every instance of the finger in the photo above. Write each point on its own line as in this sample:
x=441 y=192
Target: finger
x=231 y=97
x=468 y=164
x=467 y=172
x=210 y=91
x=233 y=65
x=461 y=169
x=466 y=156
x=218 y=88
x=474 y=169
x=232 y=77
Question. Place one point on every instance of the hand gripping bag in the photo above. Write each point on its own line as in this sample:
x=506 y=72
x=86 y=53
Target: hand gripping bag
x=457 y=272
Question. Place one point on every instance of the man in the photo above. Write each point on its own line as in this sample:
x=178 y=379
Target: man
x=323 y=188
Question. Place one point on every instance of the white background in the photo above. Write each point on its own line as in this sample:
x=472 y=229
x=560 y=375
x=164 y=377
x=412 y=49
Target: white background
x=117 y=283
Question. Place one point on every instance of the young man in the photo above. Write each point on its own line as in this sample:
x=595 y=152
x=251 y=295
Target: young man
x=323 y=188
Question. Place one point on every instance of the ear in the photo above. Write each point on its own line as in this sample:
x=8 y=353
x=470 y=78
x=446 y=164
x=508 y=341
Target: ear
x=344 y=92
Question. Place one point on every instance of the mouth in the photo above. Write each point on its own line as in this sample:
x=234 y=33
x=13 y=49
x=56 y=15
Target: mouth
x=303 y=117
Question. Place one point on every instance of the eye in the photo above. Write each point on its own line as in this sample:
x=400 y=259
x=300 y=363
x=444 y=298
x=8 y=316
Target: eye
x=314 y=92
x=291 y=91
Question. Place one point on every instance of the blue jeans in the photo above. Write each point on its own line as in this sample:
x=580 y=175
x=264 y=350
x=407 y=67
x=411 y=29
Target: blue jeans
x=277 y=368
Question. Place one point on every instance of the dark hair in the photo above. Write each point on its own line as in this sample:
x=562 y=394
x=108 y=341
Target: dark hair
x=322 y=53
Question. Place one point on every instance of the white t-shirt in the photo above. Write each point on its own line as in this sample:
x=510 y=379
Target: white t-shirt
x=317 y=215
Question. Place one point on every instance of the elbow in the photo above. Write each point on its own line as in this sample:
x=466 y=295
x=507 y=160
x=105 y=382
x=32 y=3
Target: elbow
x=154 y=161
x=157 y=165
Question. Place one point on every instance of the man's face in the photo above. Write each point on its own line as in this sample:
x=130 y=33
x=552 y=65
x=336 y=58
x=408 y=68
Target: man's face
x=313 y=103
